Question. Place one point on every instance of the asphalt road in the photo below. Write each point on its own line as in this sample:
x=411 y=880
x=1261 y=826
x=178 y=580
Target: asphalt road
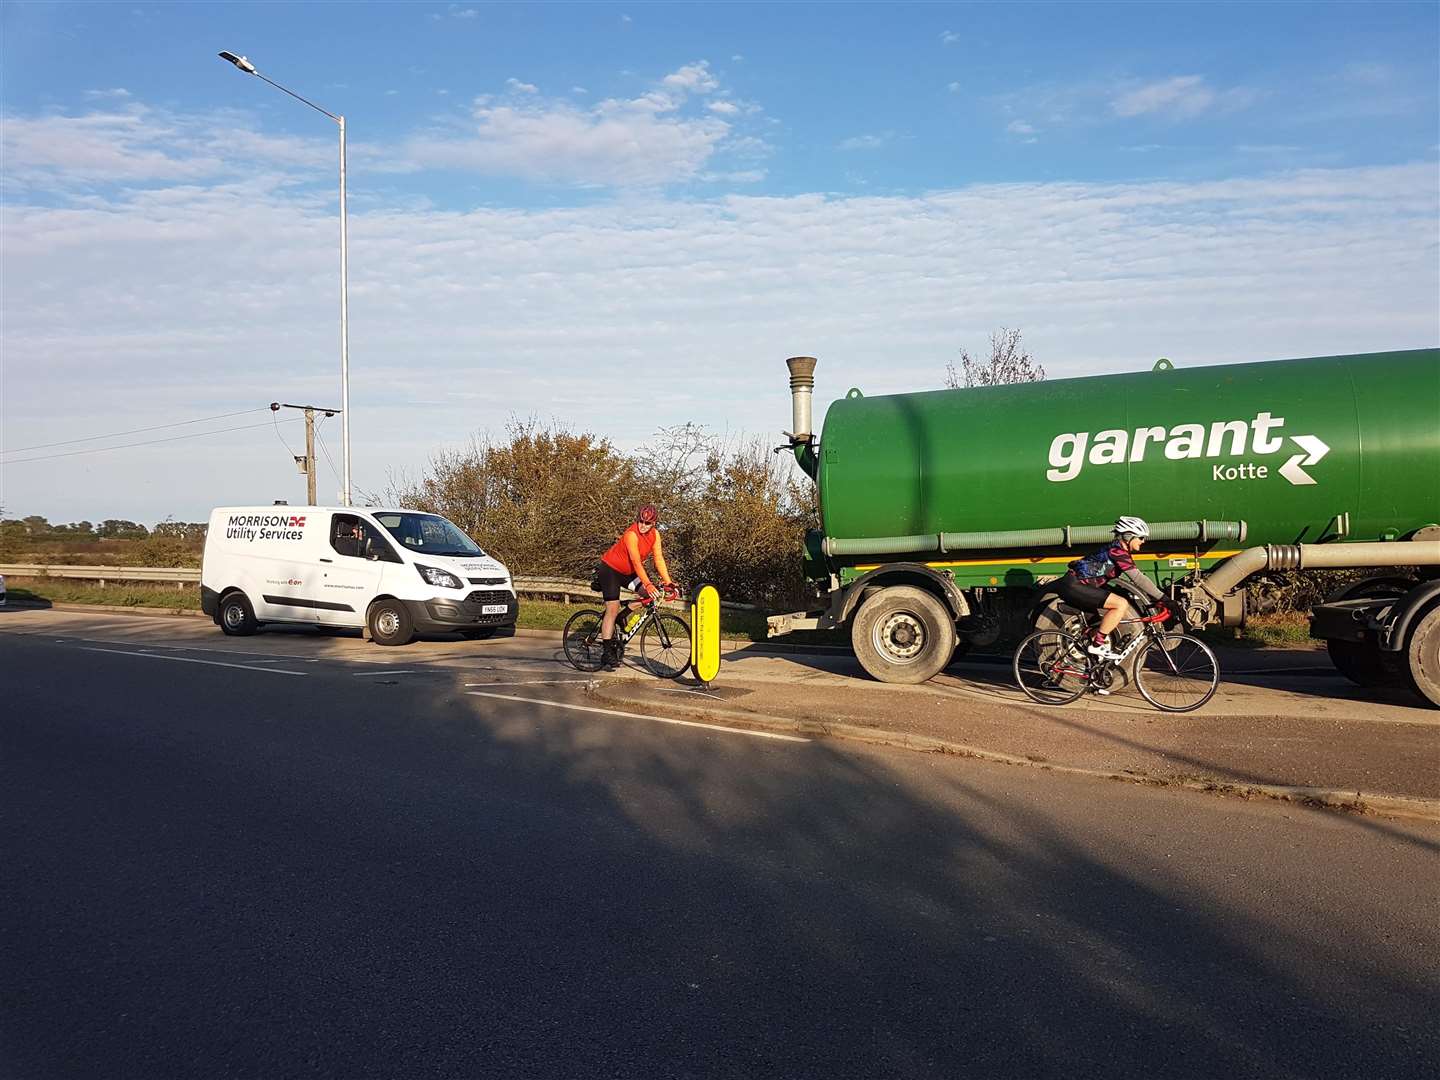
x=226 y=864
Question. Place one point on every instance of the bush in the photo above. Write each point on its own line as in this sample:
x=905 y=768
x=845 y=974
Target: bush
x=548 y=500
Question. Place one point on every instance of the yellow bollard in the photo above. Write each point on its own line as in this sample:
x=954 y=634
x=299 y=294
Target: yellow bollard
x=705 y=633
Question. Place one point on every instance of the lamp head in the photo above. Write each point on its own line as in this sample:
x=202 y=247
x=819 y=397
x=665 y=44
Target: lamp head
x=239 y=61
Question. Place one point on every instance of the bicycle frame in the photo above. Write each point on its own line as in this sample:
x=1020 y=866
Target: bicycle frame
x=634 y=626
x=1151 y=631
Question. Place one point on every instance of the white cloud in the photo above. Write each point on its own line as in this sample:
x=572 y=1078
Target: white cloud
x=1367 y=73
x=1067 y=105
x=579 y=90
x=501 y=312
x=864 y=142
x=693 y=79
x=1182 y=96
x=141 y=144
x=117 y=93
x=1019 y=127
x=724 y=108
x=950 y=37
x=522 y=87
x=737 y=58
x=457 y=12
x=954 y=88
x=652 y=139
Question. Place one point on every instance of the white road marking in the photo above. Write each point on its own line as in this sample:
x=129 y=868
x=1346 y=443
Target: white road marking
x=372 y=674
x=536 y=682
x=192 y=660
x=639 y=716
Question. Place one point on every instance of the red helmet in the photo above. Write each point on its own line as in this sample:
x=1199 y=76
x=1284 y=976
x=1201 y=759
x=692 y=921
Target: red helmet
x=647 y=514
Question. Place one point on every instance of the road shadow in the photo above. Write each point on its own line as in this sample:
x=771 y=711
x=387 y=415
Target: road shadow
x=332 y=880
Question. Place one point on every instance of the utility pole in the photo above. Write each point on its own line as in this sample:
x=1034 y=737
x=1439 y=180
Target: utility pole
x=309 y=457
x=306 y=463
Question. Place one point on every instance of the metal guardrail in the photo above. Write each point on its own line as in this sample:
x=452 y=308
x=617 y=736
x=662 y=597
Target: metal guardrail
x=567 y=589
x=179 y=575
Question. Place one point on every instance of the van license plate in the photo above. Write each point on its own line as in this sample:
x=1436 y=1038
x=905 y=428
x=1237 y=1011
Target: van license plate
x=494 y=609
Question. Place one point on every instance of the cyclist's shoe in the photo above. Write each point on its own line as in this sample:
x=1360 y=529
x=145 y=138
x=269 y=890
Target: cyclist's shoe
x=1099 y=648
x=611 y=655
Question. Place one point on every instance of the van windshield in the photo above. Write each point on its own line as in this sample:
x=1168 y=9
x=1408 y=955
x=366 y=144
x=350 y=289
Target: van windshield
x=428 y=534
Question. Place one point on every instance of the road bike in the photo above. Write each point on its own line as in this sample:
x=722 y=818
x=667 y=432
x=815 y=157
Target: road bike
x=664 y=639
x=1173 y=671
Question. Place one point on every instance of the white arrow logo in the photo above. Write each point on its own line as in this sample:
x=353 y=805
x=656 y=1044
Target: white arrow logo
x=1314 y=451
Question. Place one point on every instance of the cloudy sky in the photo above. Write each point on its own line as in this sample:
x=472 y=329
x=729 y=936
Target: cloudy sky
x=624 y=217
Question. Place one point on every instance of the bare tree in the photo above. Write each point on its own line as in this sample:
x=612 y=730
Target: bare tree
x=1009 y=363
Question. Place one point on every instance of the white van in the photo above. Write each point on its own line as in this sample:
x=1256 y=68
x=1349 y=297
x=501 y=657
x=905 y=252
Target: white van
x=395 y=572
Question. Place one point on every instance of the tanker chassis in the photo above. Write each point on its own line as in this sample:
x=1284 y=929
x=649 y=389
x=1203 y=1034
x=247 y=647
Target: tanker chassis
x=945 y=513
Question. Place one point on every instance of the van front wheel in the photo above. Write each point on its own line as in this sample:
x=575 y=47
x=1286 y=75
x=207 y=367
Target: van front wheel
x=390 y=623
x=235 y=616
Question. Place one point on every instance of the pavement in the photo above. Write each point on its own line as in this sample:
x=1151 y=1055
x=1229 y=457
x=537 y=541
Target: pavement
x=1284 y=724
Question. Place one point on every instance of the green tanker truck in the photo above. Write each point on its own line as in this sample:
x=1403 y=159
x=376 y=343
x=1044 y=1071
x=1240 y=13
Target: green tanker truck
x=945 y=513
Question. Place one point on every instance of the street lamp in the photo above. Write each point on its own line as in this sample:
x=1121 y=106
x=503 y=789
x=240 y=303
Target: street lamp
x=246 y=66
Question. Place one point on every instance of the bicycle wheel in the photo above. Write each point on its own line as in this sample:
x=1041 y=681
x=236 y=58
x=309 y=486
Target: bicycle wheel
x=1177 y=673
x=665 y=645
x=583 y=647
x=1052 y=667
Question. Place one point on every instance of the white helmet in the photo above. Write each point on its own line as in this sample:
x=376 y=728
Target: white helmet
x=1132 y=526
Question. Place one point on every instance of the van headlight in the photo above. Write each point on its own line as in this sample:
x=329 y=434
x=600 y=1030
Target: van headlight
x=435 y=576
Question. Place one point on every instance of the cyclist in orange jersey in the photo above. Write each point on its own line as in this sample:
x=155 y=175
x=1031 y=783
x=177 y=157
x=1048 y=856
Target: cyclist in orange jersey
x=623 y=567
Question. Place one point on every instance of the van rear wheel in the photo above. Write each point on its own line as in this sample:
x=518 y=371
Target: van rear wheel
x=236 y=617
x=390 y=623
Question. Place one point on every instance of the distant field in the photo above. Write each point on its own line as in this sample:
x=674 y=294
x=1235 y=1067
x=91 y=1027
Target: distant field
x=154 y=552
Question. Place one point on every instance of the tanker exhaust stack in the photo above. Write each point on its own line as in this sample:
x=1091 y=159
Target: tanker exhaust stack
x=802 y=393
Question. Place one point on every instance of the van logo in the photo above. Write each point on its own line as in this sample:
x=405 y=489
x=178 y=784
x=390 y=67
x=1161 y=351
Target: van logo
x=1071 y=451
x=265 y=527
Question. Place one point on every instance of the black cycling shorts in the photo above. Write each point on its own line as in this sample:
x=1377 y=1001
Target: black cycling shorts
x=1079 y=595
x=610 y=581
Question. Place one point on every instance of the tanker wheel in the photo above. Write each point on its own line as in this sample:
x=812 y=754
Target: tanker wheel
x=1361 y=663
x=1424 y=657
x=903 y=635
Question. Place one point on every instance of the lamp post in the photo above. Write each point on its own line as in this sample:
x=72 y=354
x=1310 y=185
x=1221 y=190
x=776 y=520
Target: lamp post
x=248 y=68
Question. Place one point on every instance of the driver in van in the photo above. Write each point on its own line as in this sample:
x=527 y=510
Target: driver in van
x=350 y=538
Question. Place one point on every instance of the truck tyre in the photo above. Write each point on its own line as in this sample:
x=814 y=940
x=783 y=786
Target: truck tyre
x=236 y=617
x=1424 y=657
x=389 y=623
x=902 y=634
x=1360 y=662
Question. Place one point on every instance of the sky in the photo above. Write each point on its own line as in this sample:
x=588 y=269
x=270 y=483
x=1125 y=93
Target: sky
x=623 y=217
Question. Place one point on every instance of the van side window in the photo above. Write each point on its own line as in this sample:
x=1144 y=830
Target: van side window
x=355 y=539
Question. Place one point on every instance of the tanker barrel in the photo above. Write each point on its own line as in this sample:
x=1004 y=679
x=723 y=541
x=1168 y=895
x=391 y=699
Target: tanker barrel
x=802 y=393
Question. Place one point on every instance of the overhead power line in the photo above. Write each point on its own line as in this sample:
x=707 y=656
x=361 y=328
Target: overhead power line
x=132 y=431
x=143 y=442
x=326 y=451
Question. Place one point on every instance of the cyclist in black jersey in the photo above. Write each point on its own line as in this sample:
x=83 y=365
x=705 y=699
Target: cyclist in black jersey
x=1084 y=586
